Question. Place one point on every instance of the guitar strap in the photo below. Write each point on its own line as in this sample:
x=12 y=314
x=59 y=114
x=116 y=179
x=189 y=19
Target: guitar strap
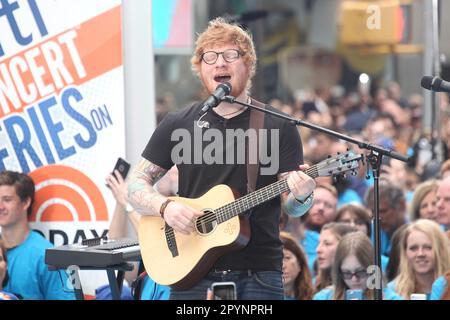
x=256 y=123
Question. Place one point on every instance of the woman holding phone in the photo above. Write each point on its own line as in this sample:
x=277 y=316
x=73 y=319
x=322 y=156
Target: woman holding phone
x=354 y=256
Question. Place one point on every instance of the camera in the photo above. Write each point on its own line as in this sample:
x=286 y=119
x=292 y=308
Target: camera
x=224 y=291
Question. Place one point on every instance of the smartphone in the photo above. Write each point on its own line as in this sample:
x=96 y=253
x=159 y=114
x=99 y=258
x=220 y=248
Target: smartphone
x=224 y=291
x=123 y=167
x=418 y=296
x=354 y=295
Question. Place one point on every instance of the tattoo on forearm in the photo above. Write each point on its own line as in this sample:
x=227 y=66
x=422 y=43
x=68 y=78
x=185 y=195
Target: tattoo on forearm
x=140 y=188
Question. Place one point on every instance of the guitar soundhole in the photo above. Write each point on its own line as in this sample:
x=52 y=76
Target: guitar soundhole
x=206 y=223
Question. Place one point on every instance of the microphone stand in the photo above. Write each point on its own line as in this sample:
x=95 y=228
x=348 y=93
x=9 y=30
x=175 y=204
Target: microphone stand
x=374 y=159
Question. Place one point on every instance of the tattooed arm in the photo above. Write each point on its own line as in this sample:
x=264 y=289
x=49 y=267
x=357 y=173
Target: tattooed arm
x=141 y=194
x=147 y=201
x=297 y=202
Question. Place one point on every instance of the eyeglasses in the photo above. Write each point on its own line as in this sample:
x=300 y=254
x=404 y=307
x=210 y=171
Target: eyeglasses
x=230 y=55
x=359 y=273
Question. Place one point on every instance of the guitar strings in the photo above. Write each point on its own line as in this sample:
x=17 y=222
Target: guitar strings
x=235 y=205
x=218 y=214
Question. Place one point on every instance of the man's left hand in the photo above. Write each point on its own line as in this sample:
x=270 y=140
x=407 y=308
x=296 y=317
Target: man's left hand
x=300 y=184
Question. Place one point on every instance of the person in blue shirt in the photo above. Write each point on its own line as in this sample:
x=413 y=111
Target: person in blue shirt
x=359 y=217
x=153 y=291
x=330 y=236
x=322 y=212
x=354 y=256
x=440 y=290
x=29 y=276
x=424 y=256
x=147 y=289
x=392 y=211
x=4 y=275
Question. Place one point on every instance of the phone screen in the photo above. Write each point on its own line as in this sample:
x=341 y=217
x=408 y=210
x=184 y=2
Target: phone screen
x=354 y=295
x=123 y=167
x=224 y=291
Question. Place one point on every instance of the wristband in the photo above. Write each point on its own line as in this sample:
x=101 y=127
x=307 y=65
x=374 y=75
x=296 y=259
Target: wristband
x=163 y=207
x=307 y=200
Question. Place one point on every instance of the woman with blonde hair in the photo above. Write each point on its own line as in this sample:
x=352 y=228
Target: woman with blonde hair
x=297 y=281
x=423 y=203
x=424 y=256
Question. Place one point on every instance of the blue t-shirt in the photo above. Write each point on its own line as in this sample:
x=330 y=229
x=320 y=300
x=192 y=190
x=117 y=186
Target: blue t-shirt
x=384 y=263
x=309 y=244
x=392 y=291
x=385 y=241
x=104 y=293
x=438 y=288
x=324 y=294
x=29 y=275
x=154 y=291
x=348 y=196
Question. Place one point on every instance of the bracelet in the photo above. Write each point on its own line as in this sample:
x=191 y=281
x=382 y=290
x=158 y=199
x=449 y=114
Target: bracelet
x=307 y=199
x=163 y=207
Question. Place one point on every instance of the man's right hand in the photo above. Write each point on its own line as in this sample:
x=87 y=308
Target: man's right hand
x=181 y=217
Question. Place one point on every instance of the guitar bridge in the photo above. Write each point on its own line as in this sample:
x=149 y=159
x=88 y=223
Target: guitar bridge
x=170 y=240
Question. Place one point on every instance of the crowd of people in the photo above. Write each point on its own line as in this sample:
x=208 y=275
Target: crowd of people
x=315 y=241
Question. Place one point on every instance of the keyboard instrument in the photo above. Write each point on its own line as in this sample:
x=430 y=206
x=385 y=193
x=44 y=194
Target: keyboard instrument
x=101 y=253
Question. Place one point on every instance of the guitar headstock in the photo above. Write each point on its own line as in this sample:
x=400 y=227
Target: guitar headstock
x=338 y=164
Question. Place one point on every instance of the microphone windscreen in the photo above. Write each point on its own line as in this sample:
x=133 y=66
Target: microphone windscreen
x=426 y=82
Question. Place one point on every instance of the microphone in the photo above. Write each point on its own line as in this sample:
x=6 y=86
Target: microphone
x=215 y=98
x=435 y=84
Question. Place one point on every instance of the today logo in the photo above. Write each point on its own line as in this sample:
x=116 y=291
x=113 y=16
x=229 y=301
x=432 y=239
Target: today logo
x=69 y=206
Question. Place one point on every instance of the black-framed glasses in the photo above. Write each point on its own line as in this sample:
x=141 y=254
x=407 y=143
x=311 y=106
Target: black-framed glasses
x=358 y=273
x=229 y=55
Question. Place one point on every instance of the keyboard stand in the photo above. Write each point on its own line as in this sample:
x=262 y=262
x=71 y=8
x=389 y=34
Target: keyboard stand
x=115 y=282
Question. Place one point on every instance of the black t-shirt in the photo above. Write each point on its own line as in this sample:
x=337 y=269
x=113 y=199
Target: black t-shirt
x=206 y=166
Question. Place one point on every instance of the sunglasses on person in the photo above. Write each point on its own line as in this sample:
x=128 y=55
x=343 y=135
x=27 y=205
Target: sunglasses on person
x=358 y=273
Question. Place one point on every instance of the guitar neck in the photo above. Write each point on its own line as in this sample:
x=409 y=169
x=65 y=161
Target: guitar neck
x=257 y=197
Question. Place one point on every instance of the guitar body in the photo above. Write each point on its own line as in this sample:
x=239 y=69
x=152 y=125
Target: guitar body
x=196 y=253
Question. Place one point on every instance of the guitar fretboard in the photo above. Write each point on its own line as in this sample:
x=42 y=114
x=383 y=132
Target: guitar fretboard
x=255 y=198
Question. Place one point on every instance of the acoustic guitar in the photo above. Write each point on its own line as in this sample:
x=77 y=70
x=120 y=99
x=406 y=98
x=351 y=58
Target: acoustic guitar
x=180 y=261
